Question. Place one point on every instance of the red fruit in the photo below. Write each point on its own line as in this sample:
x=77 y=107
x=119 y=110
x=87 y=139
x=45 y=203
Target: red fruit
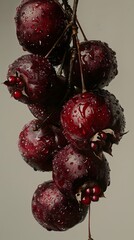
x=72 y=169
x=48 y=113
x=95 y=198
x=52 y=102
x=96 y=190
x=99 y=65
x=39 y=24
x=36 y=75
x=90 y=192
x=87 y=115
x=12 y=80
x=54 y=211
x=38 y=146
x=86 y=200
x=17 y=94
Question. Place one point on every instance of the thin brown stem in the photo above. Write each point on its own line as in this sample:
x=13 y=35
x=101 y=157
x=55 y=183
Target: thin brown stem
x=67 y=27
x=74 y=10
x=73 y=55
x=60 y=70
x=80 y=64
x=76 y=42
x=58 y=40
x=89 y=225
x=74 y=49
x=84 y=36
x=70 y=11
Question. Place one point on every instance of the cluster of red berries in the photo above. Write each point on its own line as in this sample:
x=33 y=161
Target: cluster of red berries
x=76 y=121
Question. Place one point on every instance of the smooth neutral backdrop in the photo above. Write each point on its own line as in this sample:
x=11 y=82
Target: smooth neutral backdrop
x=113 y=217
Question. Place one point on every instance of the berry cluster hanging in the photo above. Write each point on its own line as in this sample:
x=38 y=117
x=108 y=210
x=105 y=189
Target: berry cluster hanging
x=76 y=121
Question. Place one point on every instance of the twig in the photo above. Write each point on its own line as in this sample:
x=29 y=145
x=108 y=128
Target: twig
x=84 y=36
x=74 y=11
x=80 y=64
x=89 y=225
x=58 y=40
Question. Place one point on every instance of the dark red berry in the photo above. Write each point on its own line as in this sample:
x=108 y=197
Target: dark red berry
x=39 y=24
x=17 y=94
x=12 y=80
x=95 y=198
x=96 y=190
x=86 y=200
x=99 y=65
x=86 y=115
x=38 y=146
x=94 y=146
x=88 y=191
x=54 y=211
x=21 y=84
x=72 y=169
x=103 y=136
x=36 y=75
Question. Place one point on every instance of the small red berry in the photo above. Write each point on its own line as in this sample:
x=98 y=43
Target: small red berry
x=96 y=190
x=12 y=80
x=88 y=191
x=103 y=136
x=86 y=200
x=18 y=79
x=17 y=94
x=94 y=146
x=95 y=198
x=19 y=82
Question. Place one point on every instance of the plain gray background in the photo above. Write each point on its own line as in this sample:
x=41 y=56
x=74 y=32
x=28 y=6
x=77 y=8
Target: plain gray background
x=111 y=218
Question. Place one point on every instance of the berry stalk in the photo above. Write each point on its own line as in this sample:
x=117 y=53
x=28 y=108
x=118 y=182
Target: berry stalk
x=80 y=64
x=89 y=225
x=75 y=5
x=69 y=11
x=59 y=39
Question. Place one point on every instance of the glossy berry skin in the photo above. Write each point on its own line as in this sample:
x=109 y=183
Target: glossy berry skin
x=51 y=108
x=48 y=113
x=38 y=147
x=89 y=113
x=96 y=190
x=72 y=169
x=52 y=102
x=53 y=210
x=39 y=24
x=91 y=193
x=99 y=65
x=36 y=76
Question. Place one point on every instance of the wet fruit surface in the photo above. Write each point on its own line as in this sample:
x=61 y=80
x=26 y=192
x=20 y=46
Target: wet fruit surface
x=61 y=83
x=39 y=24
x=54 y=211
x=99 y=65
x=38 y=146
x=71 y=169
x=86 y=114
x=36 y=76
